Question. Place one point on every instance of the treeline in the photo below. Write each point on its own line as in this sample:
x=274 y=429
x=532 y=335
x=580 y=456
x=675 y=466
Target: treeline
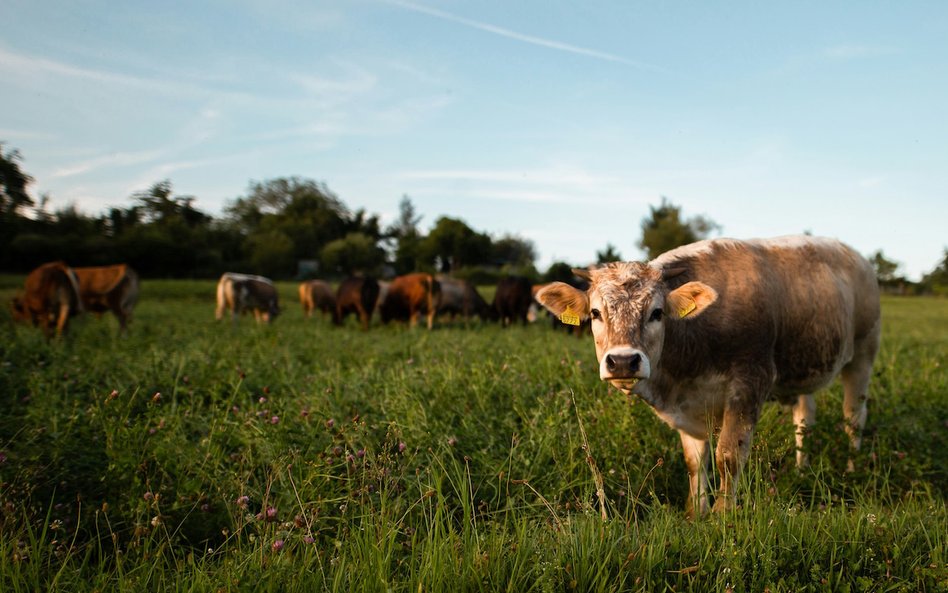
x=298 y=228
x=283 y=228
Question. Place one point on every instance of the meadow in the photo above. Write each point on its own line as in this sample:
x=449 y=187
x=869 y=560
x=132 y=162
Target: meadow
x=196 y=456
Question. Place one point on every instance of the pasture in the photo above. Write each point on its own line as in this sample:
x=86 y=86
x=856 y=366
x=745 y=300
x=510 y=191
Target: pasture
x=195 y=456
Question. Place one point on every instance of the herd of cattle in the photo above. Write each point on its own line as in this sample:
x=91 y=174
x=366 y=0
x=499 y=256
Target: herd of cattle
x=54 y=293
x=704 y=334
x=405 y=298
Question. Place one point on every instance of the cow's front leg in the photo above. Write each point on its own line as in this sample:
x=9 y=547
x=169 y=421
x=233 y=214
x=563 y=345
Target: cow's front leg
x=734 y=442
x=697 y=453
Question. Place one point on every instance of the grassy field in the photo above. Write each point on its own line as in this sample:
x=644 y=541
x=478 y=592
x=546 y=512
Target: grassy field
x=194 y=456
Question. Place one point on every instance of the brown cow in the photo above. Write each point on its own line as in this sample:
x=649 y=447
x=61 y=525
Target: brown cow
x=460 y=297
x=109 y=288
x=317 y=294
x=705 y=333
x=409 y=296
x=49 y=298
x=240 y=293
x=356 y=294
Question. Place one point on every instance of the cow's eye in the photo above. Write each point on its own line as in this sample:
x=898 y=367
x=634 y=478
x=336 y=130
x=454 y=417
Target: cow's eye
x=595 y=314
x=656 y=315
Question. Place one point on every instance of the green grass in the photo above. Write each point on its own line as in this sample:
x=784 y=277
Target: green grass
x=451 y=460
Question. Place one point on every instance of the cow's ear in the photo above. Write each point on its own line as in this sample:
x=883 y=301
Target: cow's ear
x=690 y=300
x=559 y=297
x=582 y=273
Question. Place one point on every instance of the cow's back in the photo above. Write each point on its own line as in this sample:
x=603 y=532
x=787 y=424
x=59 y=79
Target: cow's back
x=796 y=306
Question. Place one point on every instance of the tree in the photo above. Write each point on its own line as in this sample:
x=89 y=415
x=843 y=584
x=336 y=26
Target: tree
x=559 y=272
x=936 y=281
x=354 y=253
x=608 y=255
x=665 y=229
x=885 y=269
x=452 y=244
x=404 y=238
x=13 y=184
x=514 y=251
x=304 y=211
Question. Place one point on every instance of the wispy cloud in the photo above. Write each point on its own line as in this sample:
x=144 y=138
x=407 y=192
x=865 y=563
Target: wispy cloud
x=548 y=185
x=531 y=39
x=23 y=67
x=118 y=159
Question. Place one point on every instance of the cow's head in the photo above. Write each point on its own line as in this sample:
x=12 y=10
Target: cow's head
x=629 y=304
x=19 y=309
x=272 y=311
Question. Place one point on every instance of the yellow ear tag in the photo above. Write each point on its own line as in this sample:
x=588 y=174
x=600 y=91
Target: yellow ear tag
x=569 y=317
x=684 y=311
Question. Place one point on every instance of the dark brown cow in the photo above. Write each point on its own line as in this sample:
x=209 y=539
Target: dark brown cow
x=356 y=294
x=109 y=288
x=512 y=300
x=409 y=296
x=460 y=297
x=49 y=298
x=317 y=294
x=240 y=293
x=707 y=332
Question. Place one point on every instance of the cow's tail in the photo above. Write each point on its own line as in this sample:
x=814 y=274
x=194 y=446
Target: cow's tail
x=75 y=301
x=130 y=295
x=433 y=294
x=221 y=297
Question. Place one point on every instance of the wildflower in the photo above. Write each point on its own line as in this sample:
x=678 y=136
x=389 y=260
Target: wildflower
x=360 y=453
x=243 y=501
x=112 y=395
x=402 y=446
x=277 y=545
x=271 y=514
x=330 y=423
x=304 y=413
x=262 y=400
x=309 y=539
x=452 y=441
x=275 y=420
x=871 y=518
x=205 y=508
x=149 y=496
x=156 y=521
x=157 y=397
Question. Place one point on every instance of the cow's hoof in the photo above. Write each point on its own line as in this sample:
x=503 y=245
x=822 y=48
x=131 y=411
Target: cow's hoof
x=724 y=504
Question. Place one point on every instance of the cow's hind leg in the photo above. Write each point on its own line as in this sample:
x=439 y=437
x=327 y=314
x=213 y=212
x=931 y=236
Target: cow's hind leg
x=855 y=377
x=697 y=455
x=804 y=416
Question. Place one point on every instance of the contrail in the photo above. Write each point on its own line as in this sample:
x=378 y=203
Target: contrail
x=599 y=55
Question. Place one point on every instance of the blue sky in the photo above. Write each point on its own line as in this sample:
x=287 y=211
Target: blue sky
x=560 y=122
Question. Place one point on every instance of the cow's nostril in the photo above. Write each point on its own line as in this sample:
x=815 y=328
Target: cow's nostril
x=634 y=361
x=610 y=363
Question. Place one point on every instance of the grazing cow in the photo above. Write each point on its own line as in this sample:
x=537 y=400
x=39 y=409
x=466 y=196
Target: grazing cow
x=359 y=295
x=409 y=296
x=317 y=294
x=706 y=332
x=240 y=293
x=49 y=298
x=512 y=300
x=460 y=297
x=109 y=288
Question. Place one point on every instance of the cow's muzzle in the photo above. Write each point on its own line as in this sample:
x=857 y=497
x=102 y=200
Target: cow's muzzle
x=624 y=364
